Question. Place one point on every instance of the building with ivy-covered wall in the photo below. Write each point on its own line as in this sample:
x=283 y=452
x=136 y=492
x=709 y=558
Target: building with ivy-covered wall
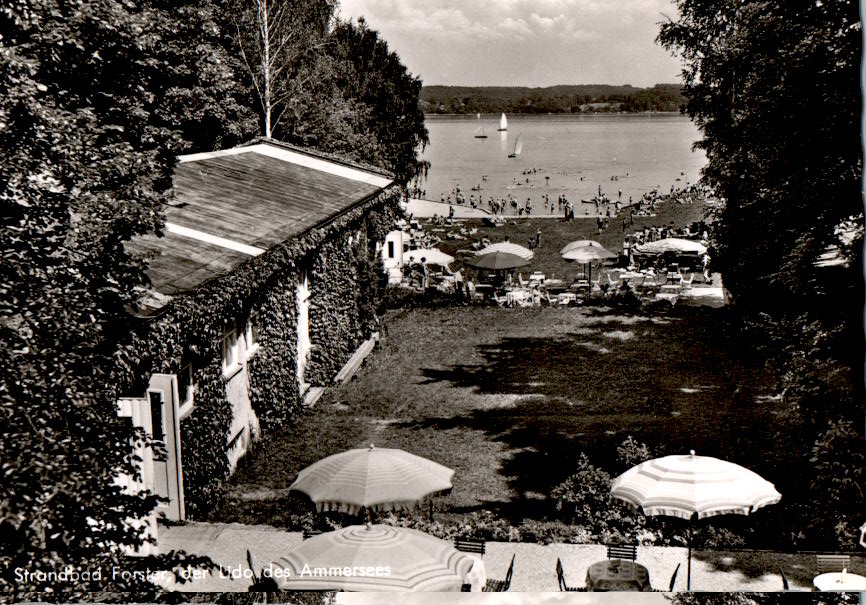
x=263 y=284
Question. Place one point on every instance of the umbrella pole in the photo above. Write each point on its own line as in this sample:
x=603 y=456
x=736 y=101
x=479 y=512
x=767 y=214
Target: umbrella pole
x=689 y=563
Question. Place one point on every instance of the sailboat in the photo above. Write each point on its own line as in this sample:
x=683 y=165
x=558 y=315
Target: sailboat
x=479 y=133
x=518 y=147
x=503 y=123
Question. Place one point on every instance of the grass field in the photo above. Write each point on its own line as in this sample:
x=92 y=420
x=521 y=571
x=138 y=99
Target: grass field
x=555 y=233
x=510 y=397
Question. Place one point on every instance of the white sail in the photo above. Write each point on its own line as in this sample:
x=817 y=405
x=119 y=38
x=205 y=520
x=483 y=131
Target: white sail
x=479 y=133
x=503 y=123
x=518 y=147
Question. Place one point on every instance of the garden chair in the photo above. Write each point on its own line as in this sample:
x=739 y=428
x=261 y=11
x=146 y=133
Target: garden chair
x=831 y=563
x=560 y=576
x=674 y=578
x=471 y=545
x=501 y=585
x=625 y=552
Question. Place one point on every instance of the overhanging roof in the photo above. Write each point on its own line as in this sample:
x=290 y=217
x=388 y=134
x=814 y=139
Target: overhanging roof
x=233 y=204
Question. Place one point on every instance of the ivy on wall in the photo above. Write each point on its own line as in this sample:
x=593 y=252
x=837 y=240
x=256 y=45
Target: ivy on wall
x=335 y=329
x=191 y=327
x=274 y=391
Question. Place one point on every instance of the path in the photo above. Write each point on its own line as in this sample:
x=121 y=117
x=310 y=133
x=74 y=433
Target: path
x=534 y=564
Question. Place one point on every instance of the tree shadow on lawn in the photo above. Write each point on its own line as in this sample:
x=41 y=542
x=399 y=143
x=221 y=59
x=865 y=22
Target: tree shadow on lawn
x=676 y=386
x=799 y=569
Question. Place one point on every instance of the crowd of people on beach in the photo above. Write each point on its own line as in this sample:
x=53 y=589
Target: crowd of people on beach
x=603 y=206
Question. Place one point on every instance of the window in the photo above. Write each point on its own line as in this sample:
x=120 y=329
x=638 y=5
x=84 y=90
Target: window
x=238 y=346
x=390 y=249
x=251 y=338
x=185 y=389
x=231 y=354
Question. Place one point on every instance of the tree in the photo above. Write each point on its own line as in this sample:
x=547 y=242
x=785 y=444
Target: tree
x=774 y=86
x=373 y=76
x=93 y=93
x=276 y=39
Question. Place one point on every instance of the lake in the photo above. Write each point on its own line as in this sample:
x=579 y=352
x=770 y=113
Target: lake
x=571 y=155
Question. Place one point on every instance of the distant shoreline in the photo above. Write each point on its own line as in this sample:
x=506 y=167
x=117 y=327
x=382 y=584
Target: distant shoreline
x=560 y=113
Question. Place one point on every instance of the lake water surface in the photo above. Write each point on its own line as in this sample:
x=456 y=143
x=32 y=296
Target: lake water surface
x=571 y=155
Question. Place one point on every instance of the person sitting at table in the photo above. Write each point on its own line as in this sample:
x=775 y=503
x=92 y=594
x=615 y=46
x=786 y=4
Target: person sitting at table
x=536 y=296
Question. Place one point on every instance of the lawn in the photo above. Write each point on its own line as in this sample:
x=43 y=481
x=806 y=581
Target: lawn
x=510 y=397
x=555 y=233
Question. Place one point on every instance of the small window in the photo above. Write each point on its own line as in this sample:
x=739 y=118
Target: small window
x=156 y=416
x=185 y=388
x=231 y=357
x=390 y=249
x=251 y=338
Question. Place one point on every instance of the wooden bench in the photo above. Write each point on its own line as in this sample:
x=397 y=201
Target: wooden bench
x=354 y=363
x=478 y=547
x=626 y=552
x=501 y=585
x=831 y=563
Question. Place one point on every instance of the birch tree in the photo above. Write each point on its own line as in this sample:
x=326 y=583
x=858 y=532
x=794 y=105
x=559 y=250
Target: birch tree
x=275 y=39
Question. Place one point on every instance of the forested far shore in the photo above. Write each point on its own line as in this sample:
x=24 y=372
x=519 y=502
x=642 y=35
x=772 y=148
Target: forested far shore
x=578 y=98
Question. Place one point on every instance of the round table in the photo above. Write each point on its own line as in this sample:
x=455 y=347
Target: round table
x=516 y=296
x=616 y=574
x=838 y=581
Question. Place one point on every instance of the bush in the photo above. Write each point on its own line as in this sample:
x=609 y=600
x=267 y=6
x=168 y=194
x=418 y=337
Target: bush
x=630 y=453
x=584 y=500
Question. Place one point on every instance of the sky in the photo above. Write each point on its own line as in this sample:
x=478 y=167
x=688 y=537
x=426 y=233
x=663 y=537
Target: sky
x=524 y=42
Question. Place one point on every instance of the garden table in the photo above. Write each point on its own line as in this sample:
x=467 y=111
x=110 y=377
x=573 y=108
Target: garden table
x=839 y=581
x=515 y=296
x=616 y=574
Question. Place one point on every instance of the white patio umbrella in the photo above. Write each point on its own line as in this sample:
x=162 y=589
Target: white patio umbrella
x=373 y=478
x=374 y=558
x=672 y=244
x=581 y=243
x=510 y=248
x=431 y=256
x=693 y=486
x=586 y=252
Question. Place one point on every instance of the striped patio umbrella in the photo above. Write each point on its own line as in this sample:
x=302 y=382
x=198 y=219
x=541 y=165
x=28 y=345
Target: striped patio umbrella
x=672 y=244
x=693 y=486
x=431 y=256
x=372 y=478
x=510 y=248
x=374 y=558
